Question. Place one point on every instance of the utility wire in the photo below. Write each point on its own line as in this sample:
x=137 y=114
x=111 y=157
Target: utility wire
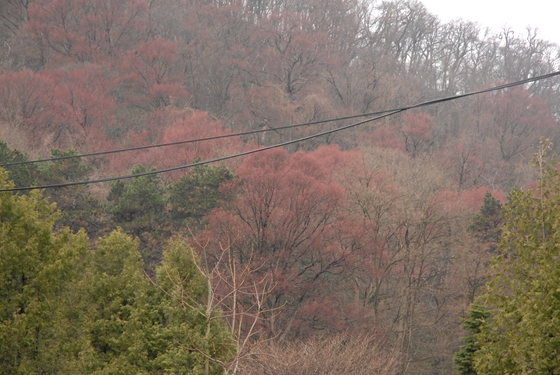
x=201 y=162
x=195 y=140
x=402 y=109
x=258 y=130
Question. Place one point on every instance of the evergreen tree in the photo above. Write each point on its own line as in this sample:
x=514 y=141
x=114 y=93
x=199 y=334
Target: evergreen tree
x=65 y=309
x=138 y=206
x=133 y=326
x=21 y=175
x=197 y=193
x=38 y=268
x=78 y=208
x=464 y=357
x=486 y=225
x=523 y=334
x=138 y=202
x=115 y=292
x=197 y=339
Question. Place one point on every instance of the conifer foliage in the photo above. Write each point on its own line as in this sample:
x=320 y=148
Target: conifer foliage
x=522 y=335
x=69 y=309
x=464 y=357
x=37 y=269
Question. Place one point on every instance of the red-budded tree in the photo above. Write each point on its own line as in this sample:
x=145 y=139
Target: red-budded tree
x=465 y=161
x=87 y=30
x=25 y=97
x=186 y=126
x=82 y=107
x=291 y=51
x=373 y=202
x=285 y=216
x=152 y=76
x=216 y=41
x=58 y=108
x=412 y=134
x=406 y=229
x=518 y=119
x=415 y=132
x=383 y=137
x=280 y=69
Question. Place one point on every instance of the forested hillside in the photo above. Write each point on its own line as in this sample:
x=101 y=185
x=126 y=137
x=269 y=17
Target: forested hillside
x=366 y=245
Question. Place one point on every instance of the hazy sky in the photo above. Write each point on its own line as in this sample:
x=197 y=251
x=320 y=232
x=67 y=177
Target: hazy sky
x=541 y=14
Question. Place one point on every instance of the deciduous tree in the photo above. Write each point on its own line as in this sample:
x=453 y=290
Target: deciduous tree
x=26 y=102
x=151 y=74
x=518 y=120
x=87 y=31
x=285 y=213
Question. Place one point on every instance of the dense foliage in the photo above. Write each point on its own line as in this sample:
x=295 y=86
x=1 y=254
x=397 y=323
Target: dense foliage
x=464 y=358
x=69 y=308
x=521 y=336
x=385 y=231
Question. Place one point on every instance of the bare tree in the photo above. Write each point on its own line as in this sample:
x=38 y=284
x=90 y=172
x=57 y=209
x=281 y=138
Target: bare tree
x=334 y=355
x=234 y=293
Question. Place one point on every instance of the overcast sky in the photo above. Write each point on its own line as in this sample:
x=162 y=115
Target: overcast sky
x=517 y=14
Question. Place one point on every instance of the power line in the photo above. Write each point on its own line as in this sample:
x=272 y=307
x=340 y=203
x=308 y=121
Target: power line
x=137 y=148
x=201 y=162
x=249 y=132
x=402 y=109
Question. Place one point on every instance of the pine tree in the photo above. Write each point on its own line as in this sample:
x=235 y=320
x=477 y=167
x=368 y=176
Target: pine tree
x=21 y=175
x=138 y=207
x=198 y=341
x=38 y=268
x=138 y=203
x=195 y=194
x=464 y=357
x=113 y=308
x=523 y=334
x=65 y=309
x=78 y=208
x=486 y=225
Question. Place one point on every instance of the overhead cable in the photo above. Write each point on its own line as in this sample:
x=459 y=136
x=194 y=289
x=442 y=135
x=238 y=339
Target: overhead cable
x=249 y=132
x=402 y=109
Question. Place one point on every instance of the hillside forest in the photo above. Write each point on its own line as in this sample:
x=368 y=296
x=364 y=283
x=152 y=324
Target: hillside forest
x=385 y=248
